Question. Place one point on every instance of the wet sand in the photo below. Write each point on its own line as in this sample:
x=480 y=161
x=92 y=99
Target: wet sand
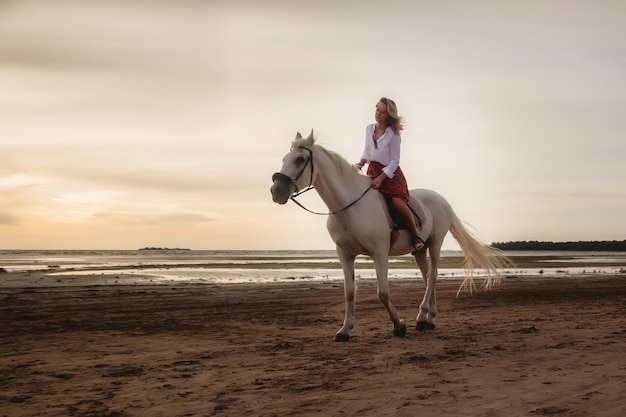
x=532 y=346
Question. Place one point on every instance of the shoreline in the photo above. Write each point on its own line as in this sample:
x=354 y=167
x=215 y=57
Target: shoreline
x=134 y=277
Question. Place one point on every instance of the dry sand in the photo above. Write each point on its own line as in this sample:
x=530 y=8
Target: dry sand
x=530 y=347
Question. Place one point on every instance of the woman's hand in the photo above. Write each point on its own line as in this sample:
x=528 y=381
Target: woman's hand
x=378 y=181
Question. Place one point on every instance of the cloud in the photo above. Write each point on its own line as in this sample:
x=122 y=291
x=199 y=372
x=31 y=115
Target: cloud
x=8 y=219
x=137 y=217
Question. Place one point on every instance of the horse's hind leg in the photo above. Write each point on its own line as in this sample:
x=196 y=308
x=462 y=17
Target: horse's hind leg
x=422 y=262
x=428 y=307
x=349 y=289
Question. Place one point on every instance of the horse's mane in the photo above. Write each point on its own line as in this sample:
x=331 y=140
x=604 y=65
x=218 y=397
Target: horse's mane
x=346 y=170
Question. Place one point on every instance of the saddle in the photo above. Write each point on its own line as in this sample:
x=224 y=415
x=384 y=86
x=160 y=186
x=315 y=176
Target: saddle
x=395 y=220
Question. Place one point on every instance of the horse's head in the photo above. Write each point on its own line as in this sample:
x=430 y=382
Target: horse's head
x=297 y=172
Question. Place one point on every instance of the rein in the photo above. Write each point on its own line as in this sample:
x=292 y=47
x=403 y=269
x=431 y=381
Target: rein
x=286 y=179
x=292 y=198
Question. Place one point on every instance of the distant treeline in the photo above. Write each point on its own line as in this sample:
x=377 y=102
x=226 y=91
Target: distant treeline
x=601 y=246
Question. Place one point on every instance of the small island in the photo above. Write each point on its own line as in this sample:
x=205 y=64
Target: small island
x=156 y=248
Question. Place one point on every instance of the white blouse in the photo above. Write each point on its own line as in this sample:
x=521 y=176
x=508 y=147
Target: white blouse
x=386 y=150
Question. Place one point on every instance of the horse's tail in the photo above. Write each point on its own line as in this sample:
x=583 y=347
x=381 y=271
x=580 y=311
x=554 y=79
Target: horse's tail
x=477 y=255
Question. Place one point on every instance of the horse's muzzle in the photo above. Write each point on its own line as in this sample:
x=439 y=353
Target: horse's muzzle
x=281 y=188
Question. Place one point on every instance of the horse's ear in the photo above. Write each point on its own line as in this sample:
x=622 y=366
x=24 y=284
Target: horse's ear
x=310 y=140
x=298 y=136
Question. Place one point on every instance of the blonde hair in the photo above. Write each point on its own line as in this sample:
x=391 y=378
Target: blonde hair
x=394 y=121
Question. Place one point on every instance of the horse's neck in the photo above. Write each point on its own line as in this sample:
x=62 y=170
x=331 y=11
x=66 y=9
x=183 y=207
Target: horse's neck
x=337 y=188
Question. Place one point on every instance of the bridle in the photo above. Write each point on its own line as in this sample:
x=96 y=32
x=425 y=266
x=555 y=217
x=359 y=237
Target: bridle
x=286 y=179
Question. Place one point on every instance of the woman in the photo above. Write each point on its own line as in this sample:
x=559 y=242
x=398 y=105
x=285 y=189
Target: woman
x=382 y=153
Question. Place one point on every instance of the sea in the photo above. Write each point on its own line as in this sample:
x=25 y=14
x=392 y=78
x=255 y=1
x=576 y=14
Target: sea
x=267 y=266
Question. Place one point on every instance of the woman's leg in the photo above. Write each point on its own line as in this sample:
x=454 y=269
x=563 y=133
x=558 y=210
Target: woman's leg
x=407 y=215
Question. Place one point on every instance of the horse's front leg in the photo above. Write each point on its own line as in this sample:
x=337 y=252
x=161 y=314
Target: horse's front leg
x=381 y=263
x=349 y=289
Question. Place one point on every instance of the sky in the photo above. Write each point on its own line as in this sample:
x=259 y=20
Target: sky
x=126 y=124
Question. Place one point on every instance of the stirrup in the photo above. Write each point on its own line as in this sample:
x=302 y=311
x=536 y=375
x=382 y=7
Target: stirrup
x=419 y=246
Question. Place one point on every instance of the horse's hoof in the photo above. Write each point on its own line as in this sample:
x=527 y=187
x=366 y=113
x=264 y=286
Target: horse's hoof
x=342 y=337
x=424 y=325
x=400 y=332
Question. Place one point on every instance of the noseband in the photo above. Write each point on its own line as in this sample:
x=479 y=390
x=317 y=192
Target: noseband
x=286 y=179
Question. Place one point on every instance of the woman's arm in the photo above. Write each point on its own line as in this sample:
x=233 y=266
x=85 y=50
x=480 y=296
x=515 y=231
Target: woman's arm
x=394 y=156
x=365 y=156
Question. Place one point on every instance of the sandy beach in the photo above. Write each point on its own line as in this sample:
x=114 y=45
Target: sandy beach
x=532 y=346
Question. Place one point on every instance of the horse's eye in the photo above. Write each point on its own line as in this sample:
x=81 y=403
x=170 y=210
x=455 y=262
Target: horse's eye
x=300 y=160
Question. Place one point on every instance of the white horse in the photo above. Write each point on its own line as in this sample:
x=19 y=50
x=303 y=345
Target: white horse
x=359 y=223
